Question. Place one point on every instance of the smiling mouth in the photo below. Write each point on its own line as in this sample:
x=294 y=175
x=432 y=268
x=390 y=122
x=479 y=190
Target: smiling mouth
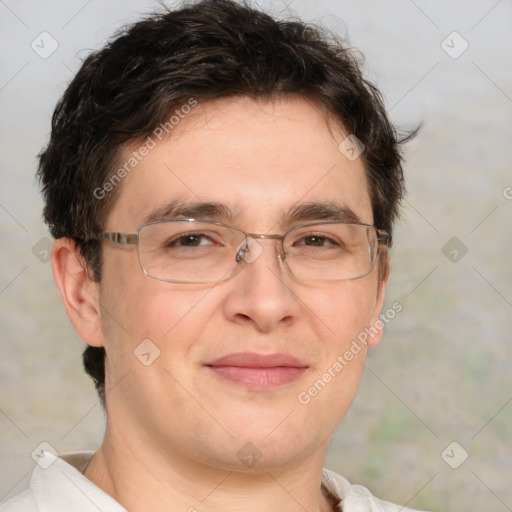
x=257 y=371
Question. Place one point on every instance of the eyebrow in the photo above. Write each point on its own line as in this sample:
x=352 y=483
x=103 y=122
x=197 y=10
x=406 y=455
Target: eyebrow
x=329 y=211
x=191 y=210
x=214 y=211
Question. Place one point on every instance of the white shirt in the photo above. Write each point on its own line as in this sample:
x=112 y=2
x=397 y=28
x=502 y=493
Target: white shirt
x=58 y=485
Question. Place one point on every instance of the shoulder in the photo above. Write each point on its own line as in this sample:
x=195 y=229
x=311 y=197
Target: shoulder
x=58 y=484
x=356 y=498
x=24 y=502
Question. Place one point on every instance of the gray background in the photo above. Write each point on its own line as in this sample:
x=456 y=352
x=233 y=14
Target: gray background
x=442 y=373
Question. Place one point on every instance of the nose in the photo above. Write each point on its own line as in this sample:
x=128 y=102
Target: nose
x=261 y=293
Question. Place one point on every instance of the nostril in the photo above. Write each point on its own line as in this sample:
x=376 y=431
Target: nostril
x=244 y=317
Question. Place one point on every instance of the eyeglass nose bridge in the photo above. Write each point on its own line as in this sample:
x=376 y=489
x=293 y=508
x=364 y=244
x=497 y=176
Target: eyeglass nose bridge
x=243 y=249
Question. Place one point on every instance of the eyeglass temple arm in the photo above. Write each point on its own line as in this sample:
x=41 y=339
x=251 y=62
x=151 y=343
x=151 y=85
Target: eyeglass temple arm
x=384 y=238
x=120 y=238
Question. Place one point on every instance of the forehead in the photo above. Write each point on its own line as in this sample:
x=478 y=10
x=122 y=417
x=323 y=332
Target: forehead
x=258 y=160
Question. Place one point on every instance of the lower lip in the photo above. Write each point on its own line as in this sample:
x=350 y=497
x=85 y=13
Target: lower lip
x=259 y=378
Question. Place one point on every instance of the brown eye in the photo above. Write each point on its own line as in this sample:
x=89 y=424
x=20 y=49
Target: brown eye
x=189 y=240
x=316 y=240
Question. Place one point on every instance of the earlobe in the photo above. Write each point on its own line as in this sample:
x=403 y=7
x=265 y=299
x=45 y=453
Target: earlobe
x=79 y=292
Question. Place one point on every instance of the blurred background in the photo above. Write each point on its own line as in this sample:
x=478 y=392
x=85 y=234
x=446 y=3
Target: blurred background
x=431 y=427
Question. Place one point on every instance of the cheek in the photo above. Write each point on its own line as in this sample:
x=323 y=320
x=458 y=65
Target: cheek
x=150 y=332
x=346 y=309
x=137 y=308
x=343 y=314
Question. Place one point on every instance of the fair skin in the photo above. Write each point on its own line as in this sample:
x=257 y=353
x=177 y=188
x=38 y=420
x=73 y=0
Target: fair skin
x=174 y=427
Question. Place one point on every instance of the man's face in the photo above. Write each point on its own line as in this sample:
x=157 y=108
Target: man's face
x=260 y=160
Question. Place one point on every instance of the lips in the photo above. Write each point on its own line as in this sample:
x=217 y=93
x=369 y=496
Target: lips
x=258 y=371
x=254 y=360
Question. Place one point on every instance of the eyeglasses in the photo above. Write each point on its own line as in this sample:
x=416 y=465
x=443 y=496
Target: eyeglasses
x=196 y=251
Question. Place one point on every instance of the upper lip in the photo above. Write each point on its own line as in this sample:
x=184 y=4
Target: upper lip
x=255 y=360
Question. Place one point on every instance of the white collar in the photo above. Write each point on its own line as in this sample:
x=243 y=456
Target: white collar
x=58 y=483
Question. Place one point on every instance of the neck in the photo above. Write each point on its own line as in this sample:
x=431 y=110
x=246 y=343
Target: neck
x=143 y=479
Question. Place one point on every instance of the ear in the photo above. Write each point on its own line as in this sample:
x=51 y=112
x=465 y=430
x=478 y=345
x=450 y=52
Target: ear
x=376 y=323
x=79 y=293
